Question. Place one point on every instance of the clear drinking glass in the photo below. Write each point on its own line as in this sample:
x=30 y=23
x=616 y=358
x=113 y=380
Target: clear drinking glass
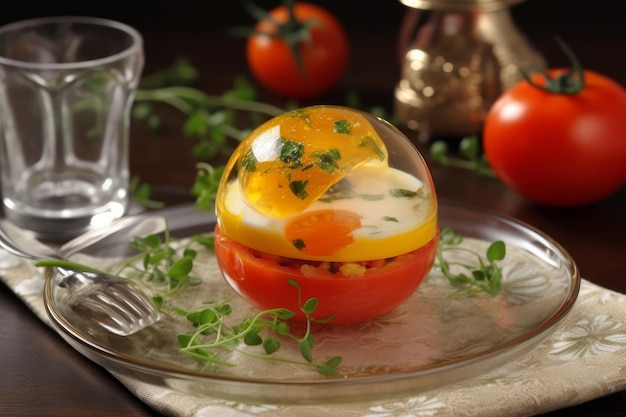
x=66 y=91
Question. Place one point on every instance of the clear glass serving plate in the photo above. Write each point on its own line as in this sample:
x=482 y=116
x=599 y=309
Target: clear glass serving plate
x=431 y=340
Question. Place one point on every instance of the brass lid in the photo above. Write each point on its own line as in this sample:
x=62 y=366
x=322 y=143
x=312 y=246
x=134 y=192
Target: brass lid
x=460 y=5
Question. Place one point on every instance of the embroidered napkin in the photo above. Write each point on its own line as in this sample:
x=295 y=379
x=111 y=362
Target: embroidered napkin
x=584 y=359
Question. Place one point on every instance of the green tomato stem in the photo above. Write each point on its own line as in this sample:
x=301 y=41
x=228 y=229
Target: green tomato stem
x=571 y=82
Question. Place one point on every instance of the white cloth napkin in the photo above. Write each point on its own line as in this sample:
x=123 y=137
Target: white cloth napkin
x=584 y=359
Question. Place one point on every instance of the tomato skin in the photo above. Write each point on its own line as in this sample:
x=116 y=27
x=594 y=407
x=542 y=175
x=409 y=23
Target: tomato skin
x=263 y=283
x=556 y=149
x=325 y=56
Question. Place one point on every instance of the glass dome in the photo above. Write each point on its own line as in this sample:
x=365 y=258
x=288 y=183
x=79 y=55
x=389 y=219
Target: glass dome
x=328 y=158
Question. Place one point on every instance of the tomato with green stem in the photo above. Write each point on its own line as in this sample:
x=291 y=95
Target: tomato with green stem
x=297 y=50
x=263 y=280
x=558 y=138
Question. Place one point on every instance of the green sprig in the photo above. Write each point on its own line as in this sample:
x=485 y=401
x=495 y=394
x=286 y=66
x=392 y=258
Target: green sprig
x=69 y=265
x=471 y=155
x=141 y=193
x=160 y=264
x=213 y=119
x=168 y=269
x=206 y=185
x=213 y=334
x=485 y=276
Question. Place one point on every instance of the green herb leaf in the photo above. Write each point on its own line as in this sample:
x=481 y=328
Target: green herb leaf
x=298 y=188
x=496 y=251
x=248 y=162
x=291 y=153
x=141 y=194
x=326 y=370
x=181 y=268
x=306 y=348
x=285 y=314
x=252 y=338
x=368 y=142
x=271 y=345
x=334 y=362
x=471 y=156
x=206 y=185
x=310 y=305
x=403 y=193
x=342 y=127
x=327 y=161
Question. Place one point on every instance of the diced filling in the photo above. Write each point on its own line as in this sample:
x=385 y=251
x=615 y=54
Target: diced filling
x=339 y=269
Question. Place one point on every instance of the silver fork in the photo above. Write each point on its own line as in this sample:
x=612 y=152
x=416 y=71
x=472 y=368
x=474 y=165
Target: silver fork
x=112 y=302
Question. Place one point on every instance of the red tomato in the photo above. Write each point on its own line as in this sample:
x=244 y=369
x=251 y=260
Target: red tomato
x=324 y=54
x=559 y=149
x=263 y=282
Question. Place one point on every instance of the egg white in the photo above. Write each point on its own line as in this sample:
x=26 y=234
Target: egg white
x=382 y=214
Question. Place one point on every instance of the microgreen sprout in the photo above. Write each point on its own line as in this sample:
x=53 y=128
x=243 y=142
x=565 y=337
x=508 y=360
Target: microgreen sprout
x=213 y=335
x=211 y=119
x=206 y=184
x=141 y=192
x=167 y=269
x=470 y=155
x=483 y=277
x=160 y=264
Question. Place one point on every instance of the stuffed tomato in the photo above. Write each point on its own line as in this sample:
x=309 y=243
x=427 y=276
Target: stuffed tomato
x=335 y=199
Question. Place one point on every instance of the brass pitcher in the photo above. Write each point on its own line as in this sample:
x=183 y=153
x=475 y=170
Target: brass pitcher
x=457 y=57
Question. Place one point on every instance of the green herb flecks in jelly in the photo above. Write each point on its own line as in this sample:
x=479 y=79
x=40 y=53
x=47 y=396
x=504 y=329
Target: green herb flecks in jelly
x=327 y=161
x=298 y=188
x=368 y=142
x=342 y=126
x=291 y=153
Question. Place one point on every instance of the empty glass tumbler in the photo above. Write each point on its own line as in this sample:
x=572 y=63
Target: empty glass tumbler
x=66 y=91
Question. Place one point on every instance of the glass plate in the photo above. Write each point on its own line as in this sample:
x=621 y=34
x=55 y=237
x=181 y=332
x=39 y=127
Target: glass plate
x=431 y=340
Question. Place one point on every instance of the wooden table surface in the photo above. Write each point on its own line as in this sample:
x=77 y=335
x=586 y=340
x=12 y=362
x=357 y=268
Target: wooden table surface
x=40 y=375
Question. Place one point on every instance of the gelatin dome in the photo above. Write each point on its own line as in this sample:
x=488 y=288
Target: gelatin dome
x=323 y=158
x=326 y=192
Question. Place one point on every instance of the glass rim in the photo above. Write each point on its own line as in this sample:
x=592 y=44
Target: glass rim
x=135 y=46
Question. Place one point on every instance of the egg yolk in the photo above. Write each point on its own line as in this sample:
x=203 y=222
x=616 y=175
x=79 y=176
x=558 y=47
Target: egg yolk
x=322 y=232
